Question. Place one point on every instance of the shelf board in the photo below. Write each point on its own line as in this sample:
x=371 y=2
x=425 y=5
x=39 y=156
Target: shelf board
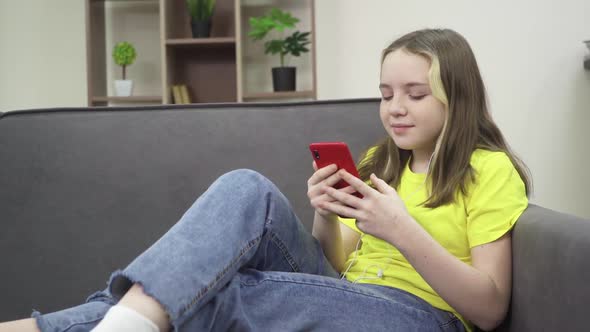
x=258 y=3
x=131 y=99
x=278 y=95
x=214 y=41
x=131 y=1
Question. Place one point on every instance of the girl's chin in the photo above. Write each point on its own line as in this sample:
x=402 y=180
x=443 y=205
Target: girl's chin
x=404 y=143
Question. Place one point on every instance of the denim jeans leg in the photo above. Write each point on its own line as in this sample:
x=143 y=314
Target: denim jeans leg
x=206 y=271
x=81 y=318
x=241 y=221
x=285 y=301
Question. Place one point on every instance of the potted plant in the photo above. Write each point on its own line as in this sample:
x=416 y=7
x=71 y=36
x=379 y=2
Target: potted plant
x=201 y=12
x=124 y=55
x=283 y=77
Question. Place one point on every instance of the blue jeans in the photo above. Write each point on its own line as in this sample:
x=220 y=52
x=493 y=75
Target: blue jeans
x=240 y=260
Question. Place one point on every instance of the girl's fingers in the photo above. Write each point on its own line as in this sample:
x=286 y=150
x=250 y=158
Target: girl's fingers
x=381 y=185
x=356 y=183
x=348 y=190
x=319 y=175
x=318 y=188
x=340 y=209
x=320 y=200
x=344 y=197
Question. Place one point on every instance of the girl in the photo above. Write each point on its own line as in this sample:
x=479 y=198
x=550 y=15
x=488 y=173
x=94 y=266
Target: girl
x=427 y=248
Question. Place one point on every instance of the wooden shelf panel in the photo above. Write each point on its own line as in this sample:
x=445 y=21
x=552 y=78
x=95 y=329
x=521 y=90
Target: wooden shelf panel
x=131 y=99
x=267 y=3
x=221 y=41
x=209 y=73
x=279 y=95
x=156 y=1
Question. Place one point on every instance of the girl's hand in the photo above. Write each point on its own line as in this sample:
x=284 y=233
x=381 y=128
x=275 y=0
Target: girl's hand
x=318 y=183
x=380 y=213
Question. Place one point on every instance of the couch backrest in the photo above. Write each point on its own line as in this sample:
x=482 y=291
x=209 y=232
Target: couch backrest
x=83 y=191
x=551 y=272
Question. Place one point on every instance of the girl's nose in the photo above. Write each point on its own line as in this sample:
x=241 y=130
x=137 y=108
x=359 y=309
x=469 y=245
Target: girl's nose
x=396 y=107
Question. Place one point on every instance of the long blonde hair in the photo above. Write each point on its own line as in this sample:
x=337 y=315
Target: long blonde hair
x=456 y=82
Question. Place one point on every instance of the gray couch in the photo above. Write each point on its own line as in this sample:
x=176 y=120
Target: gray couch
x=83 y=191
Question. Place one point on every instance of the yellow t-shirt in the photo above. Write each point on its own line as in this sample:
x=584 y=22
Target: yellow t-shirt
x=490 y=209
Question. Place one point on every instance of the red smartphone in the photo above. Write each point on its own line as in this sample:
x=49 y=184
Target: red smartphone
x=327 y=153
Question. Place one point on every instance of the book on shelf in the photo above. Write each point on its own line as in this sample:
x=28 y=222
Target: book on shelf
x=180 y=94
x=184 y=94
x=176 y=97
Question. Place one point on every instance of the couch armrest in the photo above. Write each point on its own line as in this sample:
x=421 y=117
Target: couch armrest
x=551 y=272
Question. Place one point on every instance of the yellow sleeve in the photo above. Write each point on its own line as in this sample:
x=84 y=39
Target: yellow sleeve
x=350 y=222
x=495 y=201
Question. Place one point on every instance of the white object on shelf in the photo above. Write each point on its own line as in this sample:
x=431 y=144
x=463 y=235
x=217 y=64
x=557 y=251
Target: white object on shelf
x=123 y=88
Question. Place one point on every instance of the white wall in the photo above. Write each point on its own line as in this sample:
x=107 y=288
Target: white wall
x=530 y=53
x=42 y=54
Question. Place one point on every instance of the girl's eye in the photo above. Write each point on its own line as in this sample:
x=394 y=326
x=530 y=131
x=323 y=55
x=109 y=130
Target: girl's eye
x=418 y=97
x=387 y=97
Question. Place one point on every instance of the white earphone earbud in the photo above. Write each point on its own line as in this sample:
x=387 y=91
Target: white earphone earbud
x=380 y=273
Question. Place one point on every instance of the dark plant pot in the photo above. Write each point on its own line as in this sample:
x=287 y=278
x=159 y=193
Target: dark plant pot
x=283 y=78
x=201 y=29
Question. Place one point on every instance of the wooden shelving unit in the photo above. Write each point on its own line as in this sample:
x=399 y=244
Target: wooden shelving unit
x=110 y=21
x=255 y=78
x=207 y=66
x=131 y=99
x=229 y=41
x=227 y=67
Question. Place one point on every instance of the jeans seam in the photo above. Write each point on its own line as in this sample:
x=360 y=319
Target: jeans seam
x=284 y=251
x=344 y=289
x=252 y=243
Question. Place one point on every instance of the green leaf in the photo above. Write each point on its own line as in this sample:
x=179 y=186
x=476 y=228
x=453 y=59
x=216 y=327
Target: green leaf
x=278 y=20
x=124 y=54
x=274 y=46
x=200 y=10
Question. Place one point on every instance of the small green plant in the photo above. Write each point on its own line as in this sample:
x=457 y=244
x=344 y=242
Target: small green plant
x=278 y=20
x=200 y=10
x=124 y=55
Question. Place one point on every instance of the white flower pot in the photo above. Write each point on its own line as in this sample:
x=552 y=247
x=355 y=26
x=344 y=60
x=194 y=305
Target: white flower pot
x=123 y=88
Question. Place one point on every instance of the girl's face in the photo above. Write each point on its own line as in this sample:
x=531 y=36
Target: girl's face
x=411 y=115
